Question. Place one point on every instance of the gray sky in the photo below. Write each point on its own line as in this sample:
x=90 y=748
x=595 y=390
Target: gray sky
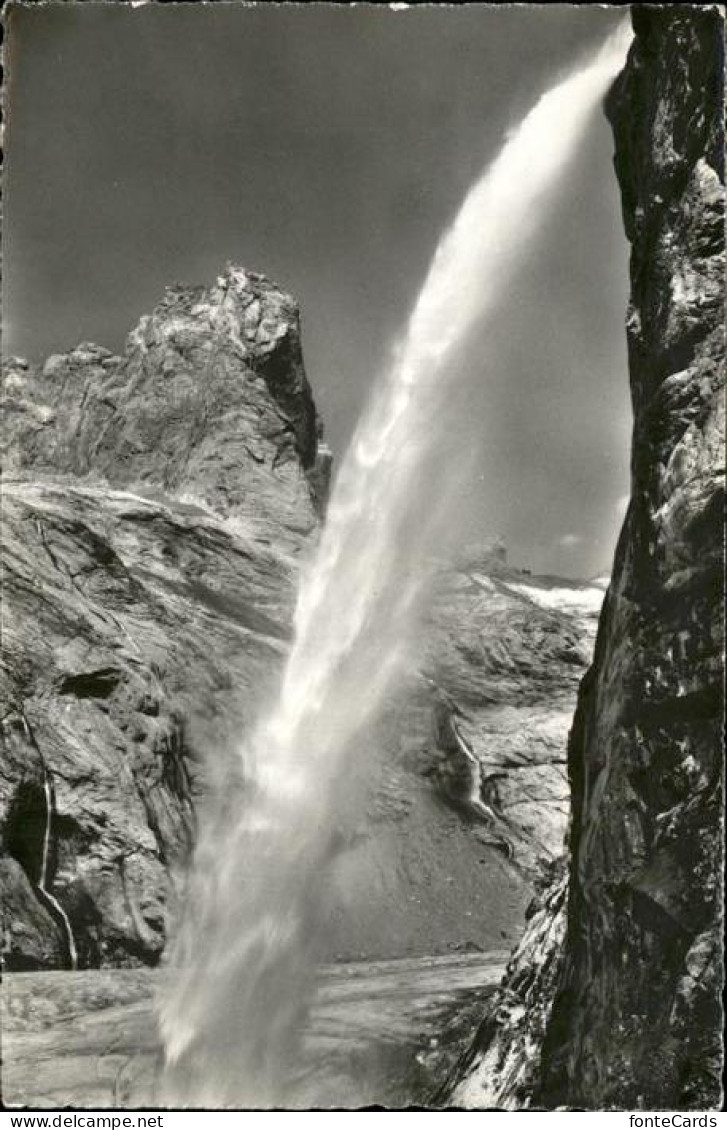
x=328 y=147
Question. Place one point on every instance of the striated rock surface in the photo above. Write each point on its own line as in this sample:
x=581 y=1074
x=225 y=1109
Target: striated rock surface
x=506 y=653
x=210 y=383
x=155 y=507
x=501 y=1070
x=632 y=1017
x=458 y=803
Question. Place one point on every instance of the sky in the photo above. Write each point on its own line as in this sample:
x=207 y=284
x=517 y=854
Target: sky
x=329 y=147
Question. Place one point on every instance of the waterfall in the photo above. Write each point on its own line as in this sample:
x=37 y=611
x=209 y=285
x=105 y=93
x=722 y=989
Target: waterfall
x=45 y=878
x=241 y=969
x=44 y=873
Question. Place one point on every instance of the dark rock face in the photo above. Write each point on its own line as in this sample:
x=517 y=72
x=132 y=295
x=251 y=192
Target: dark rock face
x=635 y=1020
x=155 y=505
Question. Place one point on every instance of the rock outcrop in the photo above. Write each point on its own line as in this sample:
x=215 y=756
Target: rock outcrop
x=155 y=507
x=626 y=1012
x=211 y=382
x=460 y=798
x=506 y=653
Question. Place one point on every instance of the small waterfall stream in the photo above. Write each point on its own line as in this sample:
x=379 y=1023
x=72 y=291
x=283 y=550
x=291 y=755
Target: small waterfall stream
x=43 y=881
x=44 y=877
x=241 y=969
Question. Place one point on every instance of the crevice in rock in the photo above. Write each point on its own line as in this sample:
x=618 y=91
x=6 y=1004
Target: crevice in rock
x=25 y=829
x=91 y=684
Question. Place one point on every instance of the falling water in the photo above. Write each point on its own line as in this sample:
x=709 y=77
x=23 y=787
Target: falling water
x=242 y=965
x=43 y=879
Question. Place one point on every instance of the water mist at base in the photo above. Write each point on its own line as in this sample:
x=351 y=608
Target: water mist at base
x=241 y=969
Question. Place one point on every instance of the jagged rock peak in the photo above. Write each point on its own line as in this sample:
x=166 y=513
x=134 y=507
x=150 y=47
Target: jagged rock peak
x=244 y=306
x=210 y=399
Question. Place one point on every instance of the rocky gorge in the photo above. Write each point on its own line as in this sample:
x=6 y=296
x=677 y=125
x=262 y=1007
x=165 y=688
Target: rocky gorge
x=157 y=508
x=612 y=999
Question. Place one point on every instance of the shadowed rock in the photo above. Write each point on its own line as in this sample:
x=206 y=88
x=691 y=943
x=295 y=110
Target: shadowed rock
x=625 y=1012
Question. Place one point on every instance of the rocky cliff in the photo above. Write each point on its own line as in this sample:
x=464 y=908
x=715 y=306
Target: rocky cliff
x=155 y=505
x=156 y=508
x=613 y=999
x=462 y=795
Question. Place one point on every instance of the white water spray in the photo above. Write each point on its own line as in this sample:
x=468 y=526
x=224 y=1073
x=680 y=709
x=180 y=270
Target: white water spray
x=243 y=963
